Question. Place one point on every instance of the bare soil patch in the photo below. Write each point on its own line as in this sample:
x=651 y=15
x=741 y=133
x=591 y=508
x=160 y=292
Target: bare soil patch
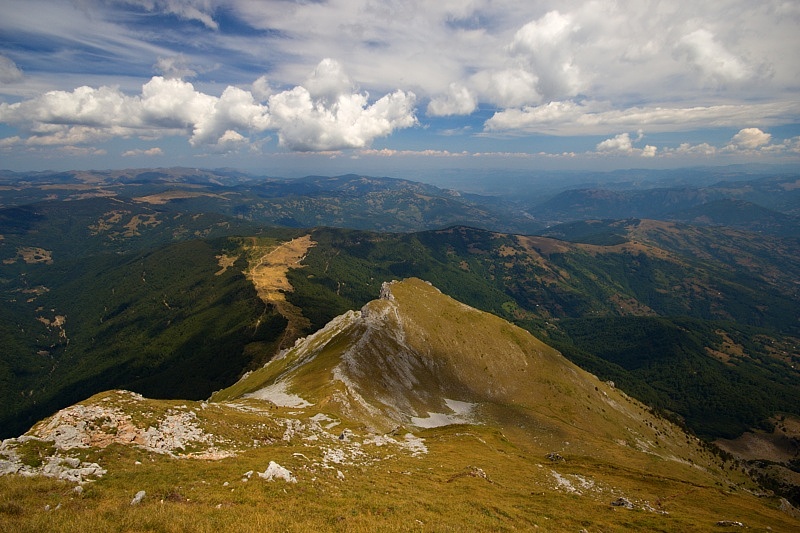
x=225 y=262
x=132 y=227
x=780 y=446
x=168 y=196
x=268 y=266
x=32 y=255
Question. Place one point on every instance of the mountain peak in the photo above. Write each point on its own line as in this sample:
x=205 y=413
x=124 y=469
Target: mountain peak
x=417 y=357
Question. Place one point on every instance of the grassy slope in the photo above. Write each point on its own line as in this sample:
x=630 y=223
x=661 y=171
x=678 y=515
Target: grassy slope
x=434 y=493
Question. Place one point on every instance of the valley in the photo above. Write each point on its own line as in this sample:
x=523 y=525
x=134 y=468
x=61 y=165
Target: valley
x=241 y=313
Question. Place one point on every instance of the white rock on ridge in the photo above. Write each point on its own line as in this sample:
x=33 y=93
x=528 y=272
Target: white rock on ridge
x=83 y=426
x=275 y=471
x=55 y=466
x=138 y=498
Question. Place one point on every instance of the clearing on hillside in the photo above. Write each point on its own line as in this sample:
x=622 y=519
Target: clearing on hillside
x=267 y=268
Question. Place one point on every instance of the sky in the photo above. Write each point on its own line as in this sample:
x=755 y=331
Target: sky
x=294 y=87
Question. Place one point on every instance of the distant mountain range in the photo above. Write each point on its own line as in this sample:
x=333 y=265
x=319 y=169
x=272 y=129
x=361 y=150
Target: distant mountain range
x=764 y=205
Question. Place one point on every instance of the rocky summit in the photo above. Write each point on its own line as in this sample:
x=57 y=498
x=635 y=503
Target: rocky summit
x=416 y=412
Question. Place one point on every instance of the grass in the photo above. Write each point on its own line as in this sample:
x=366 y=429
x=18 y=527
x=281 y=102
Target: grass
x=400 y=493
x=493 y=477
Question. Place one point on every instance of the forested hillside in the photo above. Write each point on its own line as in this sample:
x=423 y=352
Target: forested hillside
x=113 y=279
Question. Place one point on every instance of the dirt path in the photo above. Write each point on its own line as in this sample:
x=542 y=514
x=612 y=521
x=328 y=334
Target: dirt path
x=267 y=270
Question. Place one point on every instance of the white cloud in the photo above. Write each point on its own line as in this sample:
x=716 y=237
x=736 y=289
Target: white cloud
x=386 y=152
x=304 y=124
x=9 y=72
x=559 y=67
x=170 y=104
x=649 y=151
x=149 y=152
x=261 y=89
x=231 y=137
x=198 y=10
x=457 y=101
x=85 y=106
x=751 y=138
x=598 y=118
x=234 y=110
x=81 y=151
x=546 y=46
x=508 y=87
x=620 y=143
x=175 y=67
x=328 y=81
x=706 y=53
x=691 y=149
x=330 y=118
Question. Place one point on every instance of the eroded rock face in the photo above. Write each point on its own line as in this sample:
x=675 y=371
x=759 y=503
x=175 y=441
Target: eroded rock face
x=98 y=426
x=58 y=465
x=386 y=291
x=45 y=449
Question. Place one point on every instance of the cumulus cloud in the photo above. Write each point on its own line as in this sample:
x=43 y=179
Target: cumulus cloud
x=649 y=151
x=793 y=145
x=703 y=149
x=328 y=81
x=702 y=50
x=387 y=152
x=85 y=106
x=234 y=110
x=458 y=100
x=546 y=46
x=326 y=117
x=751 y=138
x=511 y=87
x=304 y=124
x=566 y=68
x=622 y=144
x=81 y=151
x=261 y=89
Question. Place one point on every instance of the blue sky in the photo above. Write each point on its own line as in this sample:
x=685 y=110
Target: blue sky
x=285 y=87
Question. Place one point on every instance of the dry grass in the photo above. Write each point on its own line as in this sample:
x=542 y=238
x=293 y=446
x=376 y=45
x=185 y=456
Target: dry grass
x=32 y=255
x=267 y=268
x=168 y=196
x=440 y=491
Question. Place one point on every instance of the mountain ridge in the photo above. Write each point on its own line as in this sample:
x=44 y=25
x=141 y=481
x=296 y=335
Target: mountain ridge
x=415 y=353
x=550 y=445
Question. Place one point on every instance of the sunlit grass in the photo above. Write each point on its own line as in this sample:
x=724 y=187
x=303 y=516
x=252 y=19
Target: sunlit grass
x=472 y=479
